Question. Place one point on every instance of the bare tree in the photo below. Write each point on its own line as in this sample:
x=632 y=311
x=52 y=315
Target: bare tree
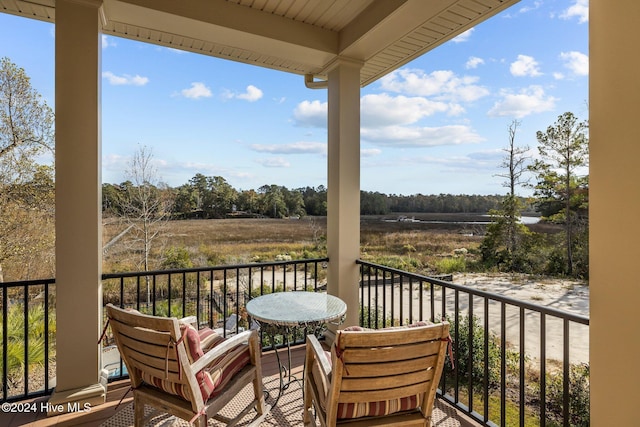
x=502 y=241
x=145 y=205
x=515 y=164
x=515 y=161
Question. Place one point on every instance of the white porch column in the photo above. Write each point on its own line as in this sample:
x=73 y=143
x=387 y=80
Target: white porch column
x=343 y=189
x=614 y=203
x=78 y=205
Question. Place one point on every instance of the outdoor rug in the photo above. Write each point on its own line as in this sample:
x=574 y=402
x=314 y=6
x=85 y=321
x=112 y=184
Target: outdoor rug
x=287 y=412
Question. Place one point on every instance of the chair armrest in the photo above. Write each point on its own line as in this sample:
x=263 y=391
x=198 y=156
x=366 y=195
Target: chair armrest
x=222 y=348
x=318 y=353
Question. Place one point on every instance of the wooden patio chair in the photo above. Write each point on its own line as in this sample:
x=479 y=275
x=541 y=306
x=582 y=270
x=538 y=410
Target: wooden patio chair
x=188 y=373
x=385 y=377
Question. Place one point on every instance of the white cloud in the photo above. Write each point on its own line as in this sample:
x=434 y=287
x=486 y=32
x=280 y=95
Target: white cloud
x=437 y=92
x=107 y=41
x=124 y=79
x=463 y=37
x=274 y=162
x=379 y=110
x=293 y=148
x=525 y=9
x=384 y=110
x=525 y=66
x=252 y=94
x=477 y=163
x=370 y=152
x=311 y=114
x=197 y=90
x=558 y=76
x=577 y=62
x=114 y=162
x=402 y=136
x=181 y=171
x=579 y=9
x=442 y=85
x=473 y=62
x=518 y=105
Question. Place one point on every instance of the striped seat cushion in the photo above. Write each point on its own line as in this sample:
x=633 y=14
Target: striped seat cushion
x=214 y=376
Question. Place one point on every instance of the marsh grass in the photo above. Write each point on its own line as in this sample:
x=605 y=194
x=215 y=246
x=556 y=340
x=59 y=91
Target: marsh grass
x=416 y=247
x=220 y=242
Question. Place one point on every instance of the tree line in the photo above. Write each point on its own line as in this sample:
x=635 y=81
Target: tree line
x=210 y=197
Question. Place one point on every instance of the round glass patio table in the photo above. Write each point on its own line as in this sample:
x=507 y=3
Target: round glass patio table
x=296 y=309
x=284 y=313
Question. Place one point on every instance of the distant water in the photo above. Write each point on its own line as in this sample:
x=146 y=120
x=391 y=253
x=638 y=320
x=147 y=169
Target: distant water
x=523 y=220
x=530 y=219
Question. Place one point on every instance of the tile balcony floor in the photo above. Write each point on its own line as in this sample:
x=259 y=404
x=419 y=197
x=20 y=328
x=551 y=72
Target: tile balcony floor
x=444 y=415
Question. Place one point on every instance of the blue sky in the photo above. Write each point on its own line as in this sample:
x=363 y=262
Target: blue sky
x=437 y=125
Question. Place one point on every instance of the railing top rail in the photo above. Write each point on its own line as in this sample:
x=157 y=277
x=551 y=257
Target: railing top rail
x=210 y=268
x=22 y=283
x=483 y=294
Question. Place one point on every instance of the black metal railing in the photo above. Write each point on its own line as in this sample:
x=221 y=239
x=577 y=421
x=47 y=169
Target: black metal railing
x=212 y=294
x=28 y=338
x=516 y=363
x=509 y=355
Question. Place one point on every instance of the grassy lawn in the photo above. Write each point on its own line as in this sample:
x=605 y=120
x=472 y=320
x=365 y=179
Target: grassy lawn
x=512 y=410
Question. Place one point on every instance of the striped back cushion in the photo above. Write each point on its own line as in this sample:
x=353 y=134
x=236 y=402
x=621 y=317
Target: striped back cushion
x=214 y=376
x=198 y=342
x=378 y=409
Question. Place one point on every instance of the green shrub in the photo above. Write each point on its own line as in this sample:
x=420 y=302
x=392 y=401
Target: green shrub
x=264 y=289
x=162 y=308
x=373 y=317
x=451 y=265
x=36 y=334
x=578 y=395
x=408 y=249
x=176 y=258
x=471 y=327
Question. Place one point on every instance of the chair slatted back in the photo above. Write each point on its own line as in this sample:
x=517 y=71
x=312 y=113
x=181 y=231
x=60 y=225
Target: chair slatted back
x=152 y=345
x=388 y=364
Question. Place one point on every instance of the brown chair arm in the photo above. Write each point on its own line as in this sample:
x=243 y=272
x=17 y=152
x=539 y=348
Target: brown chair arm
x=313 y=346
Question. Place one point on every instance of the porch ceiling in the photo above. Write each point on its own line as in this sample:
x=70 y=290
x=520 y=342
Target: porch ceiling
x=297 y=36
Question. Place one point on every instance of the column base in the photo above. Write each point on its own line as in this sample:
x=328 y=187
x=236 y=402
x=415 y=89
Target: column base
x=78 y=400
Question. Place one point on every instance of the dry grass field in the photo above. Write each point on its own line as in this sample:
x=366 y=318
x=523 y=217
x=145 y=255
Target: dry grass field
x=417 y=246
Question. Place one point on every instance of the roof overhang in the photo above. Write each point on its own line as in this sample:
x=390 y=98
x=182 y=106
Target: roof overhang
x=299 y=36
